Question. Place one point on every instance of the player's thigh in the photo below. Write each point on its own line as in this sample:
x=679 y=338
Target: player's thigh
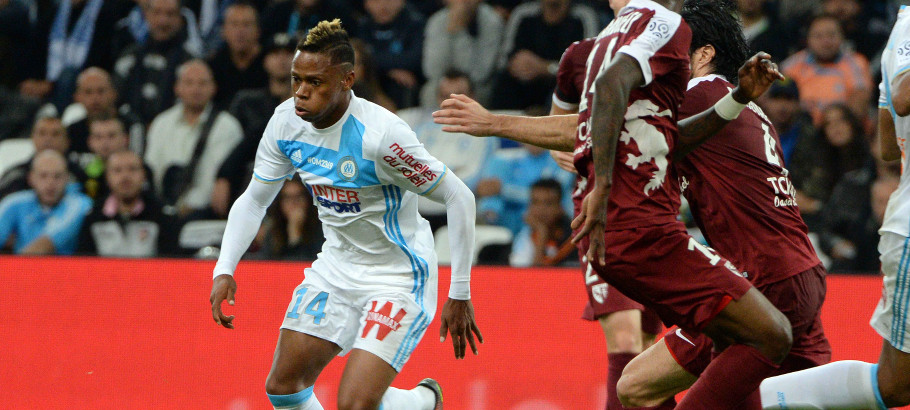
x=893 y=368
x=752 y=320
x=392 y=324
x=652 y=377
x=365 y=379
x=800 y=298
x=298 y=360
x=891 y=318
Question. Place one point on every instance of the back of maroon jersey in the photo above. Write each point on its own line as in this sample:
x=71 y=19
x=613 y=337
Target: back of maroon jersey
x=739 y=192
x=658 y=40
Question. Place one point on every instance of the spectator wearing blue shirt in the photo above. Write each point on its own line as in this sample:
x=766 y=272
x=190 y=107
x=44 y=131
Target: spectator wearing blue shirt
x=504 y=186
x=46 y=219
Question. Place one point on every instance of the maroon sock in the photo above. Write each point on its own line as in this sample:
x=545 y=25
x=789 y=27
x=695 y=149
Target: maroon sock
x=617 y=362
x=729 y=380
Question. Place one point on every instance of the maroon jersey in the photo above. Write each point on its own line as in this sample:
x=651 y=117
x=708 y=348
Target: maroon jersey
x=570 y=78
x=643 y=193
x=740 y=194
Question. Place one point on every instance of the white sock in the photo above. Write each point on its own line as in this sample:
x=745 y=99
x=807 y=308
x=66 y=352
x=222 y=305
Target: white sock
x=418 y=398
x=847 y=384
x=302 y=400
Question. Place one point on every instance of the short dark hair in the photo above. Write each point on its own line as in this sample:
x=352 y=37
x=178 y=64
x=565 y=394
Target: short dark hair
x=455 y=74
x=714 y=22
x=328 y=37
x=108 y=117
x=548 y=183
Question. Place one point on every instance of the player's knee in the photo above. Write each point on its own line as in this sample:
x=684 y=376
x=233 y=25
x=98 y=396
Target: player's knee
x=780 y=338
x=275 y=385
x=895 y=391
x=632 y=390
x=357 y=401
x=624 y=341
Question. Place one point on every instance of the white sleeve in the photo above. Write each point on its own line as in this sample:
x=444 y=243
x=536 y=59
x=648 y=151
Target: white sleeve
x=243 y=224
x=403 y=161
x=272 y=164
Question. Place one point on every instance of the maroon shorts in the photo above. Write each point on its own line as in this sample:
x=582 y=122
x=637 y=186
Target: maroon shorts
x=799 y=298
x=603 y=300
x=665 y=269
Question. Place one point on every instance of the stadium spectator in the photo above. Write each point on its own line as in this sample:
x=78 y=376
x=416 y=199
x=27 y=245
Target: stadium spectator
x=763 y=29
x=295 y=17
x=144 y=73
x=253 y=108
x=793 y=124
x=45 y=220
x=503 y=189
x=47 y=134
x=866 y=27
x=536 y=35
x=291 y=230
x=394 y=33
x=17 y=112
x=238 y=64
x=15 y=47
x=366 y=81
x=466 y=35
x=188 y=142
x=828 y=73
x=128 y=222
x=95 y=92
x=133 y=29
x=546 y=237
x=840 y=146
x=450 y=148
x=107 y=135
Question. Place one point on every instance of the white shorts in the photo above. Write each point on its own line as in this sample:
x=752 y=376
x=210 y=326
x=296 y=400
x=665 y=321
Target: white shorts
x=892 y=315
x=384 y=309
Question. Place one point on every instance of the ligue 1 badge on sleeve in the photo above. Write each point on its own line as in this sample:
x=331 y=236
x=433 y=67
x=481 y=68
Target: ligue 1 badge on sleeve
x=347 y=169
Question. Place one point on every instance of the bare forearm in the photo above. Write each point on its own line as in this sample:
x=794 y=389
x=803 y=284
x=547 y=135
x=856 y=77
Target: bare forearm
x=699 y=127
x=40 y=246
x=556 y=132
x=606 y=124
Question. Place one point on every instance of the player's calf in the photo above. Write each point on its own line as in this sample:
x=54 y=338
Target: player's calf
x=652 y=377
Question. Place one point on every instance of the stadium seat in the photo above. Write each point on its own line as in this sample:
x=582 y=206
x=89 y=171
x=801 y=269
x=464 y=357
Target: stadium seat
x=15 y=151
x=484 y=235
x=199 y=234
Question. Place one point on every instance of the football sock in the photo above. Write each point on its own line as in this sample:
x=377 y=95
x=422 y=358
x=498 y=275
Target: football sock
x=616 y=362
x=846 y=384
x=302 y=400
x=730 y=378
x=419 y=397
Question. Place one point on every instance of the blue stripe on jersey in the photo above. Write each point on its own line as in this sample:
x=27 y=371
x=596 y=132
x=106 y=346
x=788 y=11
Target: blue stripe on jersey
x=327 y=162
x=438 y=180
x=269 y=180
x=418 y=265
x=895 y=303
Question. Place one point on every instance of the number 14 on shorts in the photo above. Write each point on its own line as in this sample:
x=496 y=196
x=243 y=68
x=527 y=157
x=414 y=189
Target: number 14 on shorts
x=314 y=308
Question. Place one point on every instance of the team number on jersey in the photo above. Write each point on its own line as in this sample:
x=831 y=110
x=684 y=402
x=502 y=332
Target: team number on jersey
x=315 y=308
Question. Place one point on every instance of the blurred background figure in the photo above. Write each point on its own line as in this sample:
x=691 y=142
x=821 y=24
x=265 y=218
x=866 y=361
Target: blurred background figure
x=295 y=17
x=48 y=133
x=394 y=33
x=463 y=154
x=793 y=124
x=44 y=220
x=546 y=238
x=237 y=65
x=106 y=137
x=536 y=35
x=189 y=142
x=96 y=97
x=292 y=230
x=128 y=222
x=466 y=35
x=366 y=77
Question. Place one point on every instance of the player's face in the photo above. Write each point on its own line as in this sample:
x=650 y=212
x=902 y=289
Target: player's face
x=96 y=94
x=48 y=178
x=125 y=175
x=320 y=88
x=106 y=138
x=50 y=134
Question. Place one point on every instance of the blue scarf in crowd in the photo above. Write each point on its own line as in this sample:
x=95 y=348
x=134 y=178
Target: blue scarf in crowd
x=70 y=51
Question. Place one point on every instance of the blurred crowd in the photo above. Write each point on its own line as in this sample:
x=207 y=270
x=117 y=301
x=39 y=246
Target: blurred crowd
x=127 y=128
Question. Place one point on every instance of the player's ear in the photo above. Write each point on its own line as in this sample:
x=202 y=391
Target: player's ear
x=347 y=81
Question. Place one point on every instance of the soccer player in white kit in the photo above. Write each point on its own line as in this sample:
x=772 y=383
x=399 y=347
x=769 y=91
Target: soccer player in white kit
x=372 y=289
x=853 y=384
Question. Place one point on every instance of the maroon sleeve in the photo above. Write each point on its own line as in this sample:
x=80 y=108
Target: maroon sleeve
x=571 y=75
x=701 y=96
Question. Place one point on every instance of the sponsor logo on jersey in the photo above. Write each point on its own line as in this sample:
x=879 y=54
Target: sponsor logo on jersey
x=338 y=200
x=347 y=168
x=411 y=168
x=320 y=162
x=383 y=319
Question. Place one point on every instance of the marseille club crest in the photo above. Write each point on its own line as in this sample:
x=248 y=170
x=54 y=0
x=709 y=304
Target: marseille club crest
x=347 y=169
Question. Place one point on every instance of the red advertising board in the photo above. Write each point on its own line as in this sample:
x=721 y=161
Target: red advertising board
x=91 y=333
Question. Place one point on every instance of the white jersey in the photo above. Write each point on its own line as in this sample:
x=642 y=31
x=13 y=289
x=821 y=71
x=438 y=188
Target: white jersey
x=364 y=174
x=896 y=61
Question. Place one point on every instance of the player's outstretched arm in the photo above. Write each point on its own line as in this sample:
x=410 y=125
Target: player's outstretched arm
x=460 y=113
x=755 y=77
x=242 y=224
x=612 y=88
x=458 y=312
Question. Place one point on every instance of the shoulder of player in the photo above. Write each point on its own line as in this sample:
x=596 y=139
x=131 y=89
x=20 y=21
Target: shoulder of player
x=379 y=123
x=711 y=84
